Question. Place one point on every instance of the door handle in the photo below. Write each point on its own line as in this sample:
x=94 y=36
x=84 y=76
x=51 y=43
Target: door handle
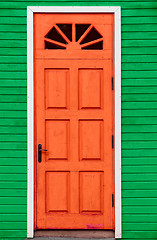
x=40 y=152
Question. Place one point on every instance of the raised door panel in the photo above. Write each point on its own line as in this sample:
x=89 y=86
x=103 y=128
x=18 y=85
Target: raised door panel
x=57 y=192
x=91 y=192
x=91 y=139
x=90 y=88
x=57 y=88
x=57 y=139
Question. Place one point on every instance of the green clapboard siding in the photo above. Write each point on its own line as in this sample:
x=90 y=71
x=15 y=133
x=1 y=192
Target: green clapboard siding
x=139 y=115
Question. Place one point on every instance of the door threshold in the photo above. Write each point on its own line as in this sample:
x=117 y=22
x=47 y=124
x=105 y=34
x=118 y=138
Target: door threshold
x=83 y=234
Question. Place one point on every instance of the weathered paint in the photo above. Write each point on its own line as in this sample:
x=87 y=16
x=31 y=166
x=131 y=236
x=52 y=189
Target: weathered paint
x=139 y=116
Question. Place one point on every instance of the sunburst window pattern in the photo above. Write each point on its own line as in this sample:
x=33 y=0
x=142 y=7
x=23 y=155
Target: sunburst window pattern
x=86 y=37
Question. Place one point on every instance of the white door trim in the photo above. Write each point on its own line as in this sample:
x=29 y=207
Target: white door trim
x=30 y=107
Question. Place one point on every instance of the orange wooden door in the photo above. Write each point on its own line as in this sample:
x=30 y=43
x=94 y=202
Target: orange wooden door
x=74 y=122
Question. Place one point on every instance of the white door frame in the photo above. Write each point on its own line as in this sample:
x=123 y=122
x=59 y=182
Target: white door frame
x=30 y=106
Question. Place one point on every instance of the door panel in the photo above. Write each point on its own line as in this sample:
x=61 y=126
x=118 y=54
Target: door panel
x=91 y=192
x=57 y=139
x=57 y=88
x=90 y=88
x=90 y=139
x=57 y=192
x=74 y=123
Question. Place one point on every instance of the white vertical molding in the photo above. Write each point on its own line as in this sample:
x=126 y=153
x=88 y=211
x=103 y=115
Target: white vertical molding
x=30 y=126
x=30 y=107
x=117 y=60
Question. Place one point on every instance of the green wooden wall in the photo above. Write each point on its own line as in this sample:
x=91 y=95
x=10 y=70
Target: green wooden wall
x=139 y=115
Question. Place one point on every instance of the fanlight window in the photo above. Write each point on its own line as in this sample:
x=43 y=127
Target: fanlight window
x=85 y=37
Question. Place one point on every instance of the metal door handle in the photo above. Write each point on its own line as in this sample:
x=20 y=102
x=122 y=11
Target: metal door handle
x=40 y=152
x=43 y=150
